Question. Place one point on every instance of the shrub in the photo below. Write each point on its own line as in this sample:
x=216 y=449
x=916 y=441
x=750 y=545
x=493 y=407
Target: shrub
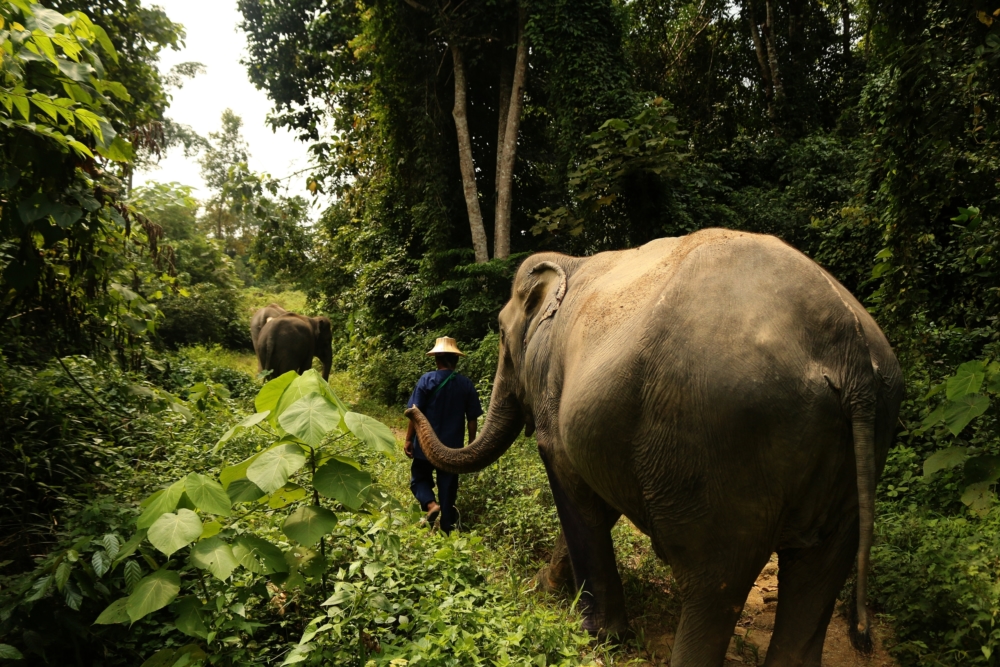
x=936 y=576
x=211 y=315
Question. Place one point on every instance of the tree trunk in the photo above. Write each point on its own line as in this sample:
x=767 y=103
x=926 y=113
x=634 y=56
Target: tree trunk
x=465 y=159
x=506 y=81
x=505 y=176
x=772 y=54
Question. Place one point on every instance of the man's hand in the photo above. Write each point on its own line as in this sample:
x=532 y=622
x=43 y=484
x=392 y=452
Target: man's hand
x=408 y=449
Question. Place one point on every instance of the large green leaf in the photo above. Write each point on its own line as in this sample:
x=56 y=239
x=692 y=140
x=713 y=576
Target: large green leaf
x=258 y=555
x=207 y=494
x=216 y=556
x=982 y=469
x=979 y=497
x=249 y=422
x=8 y=652
x=286 y=495
x=273 y=468
x=244 y=491
x=966 y=380
x=946 y=458
x=239 y=471
x=310 y=418
x=958 y=413
x=174 y=531
x=267 y=397
x=153 y=592
x=309 y=382
x=160 y=503
x=337 y=479
x=115 y=613
x=189 y=620
x=309 y=523
x=372 y=432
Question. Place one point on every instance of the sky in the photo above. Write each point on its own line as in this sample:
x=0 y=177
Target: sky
x=214 y=40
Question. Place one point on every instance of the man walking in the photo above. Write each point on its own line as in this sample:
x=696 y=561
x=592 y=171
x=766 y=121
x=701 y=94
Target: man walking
x=451 y=404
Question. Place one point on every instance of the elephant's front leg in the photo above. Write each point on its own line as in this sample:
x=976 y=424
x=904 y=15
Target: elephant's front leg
x=586 y=524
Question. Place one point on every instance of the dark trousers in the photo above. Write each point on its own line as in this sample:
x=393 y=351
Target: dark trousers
x=422 y=486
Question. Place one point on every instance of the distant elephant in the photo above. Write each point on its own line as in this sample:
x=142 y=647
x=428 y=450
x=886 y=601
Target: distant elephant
x=261 y=317
x=289 y=342
x=723 y=392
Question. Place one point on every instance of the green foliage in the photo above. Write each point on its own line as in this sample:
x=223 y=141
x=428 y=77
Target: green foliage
x=936 y=575
x=206 y=315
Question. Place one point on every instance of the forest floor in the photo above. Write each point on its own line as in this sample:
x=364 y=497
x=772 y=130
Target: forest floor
x=655 y=610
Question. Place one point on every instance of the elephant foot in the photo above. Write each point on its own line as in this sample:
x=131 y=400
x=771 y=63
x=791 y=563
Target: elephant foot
x=557 y=576
x=554 y=579
x=603 y=629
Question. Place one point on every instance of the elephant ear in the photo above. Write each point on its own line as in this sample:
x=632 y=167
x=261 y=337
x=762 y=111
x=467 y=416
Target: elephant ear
x=543 y=291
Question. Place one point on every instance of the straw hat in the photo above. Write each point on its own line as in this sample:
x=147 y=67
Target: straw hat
x=446 y=345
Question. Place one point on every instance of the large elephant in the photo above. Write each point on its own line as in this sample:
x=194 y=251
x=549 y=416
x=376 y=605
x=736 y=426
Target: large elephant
x=260 y=318
x=724 y=393
x=290 y=341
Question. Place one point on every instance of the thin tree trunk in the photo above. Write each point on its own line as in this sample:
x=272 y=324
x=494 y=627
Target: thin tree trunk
x=501 y=231
x=465 y=159
x=765 y=69
x=506 y=81
x=772 y=54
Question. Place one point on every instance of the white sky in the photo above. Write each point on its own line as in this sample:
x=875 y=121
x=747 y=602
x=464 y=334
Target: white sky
x=214 y=40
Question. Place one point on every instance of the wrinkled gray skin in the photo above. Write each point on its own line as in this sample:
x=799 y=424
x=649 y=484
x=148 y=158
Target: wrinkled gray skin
x=289 y=342
x=724 y=393
x=260 y=318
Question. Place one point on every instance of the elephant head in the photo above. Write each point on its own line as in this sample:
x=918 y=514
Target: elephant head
x=538 y=291
x=323 y=337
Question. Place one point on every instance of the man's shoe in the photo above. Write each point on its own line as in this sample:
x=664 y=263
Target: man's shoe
x=431 y=516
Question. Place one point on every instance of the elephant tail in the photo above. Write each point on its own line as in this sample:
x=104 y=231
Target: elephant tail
x=860 y=379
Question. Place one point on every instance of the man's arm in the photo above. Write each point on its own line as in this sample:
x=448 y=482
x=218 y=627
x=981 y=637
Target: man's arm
x=472 y=430
x=408 y=440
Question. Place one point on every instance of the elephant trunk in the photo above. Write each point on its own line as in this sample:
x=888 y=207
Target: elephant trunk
x=503 y=424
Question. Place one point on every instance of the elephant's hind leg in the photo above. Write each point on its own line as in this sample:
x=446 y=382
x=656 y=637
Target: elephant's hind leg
x=808 y=583
x=714 y=595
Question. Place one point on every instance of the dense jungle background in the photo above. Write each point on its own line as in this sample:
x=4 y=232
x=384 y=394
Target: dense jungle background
x=146 y=518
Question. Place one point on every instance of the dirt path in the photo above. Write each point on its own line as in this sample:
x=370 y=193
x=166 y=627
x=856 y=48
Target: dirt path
x=753 y=632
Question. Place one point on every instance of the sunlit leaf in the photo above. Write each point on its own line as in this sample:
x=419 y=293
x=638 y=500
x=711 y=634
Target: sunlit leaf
x=172 y=531
x=216 y=556
x=153 y=592
x=273 y=468
x=114 y=614
x=160 y=503
x=372 y=432
x=207 y=494
x=310 y=418
x=267 y=397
